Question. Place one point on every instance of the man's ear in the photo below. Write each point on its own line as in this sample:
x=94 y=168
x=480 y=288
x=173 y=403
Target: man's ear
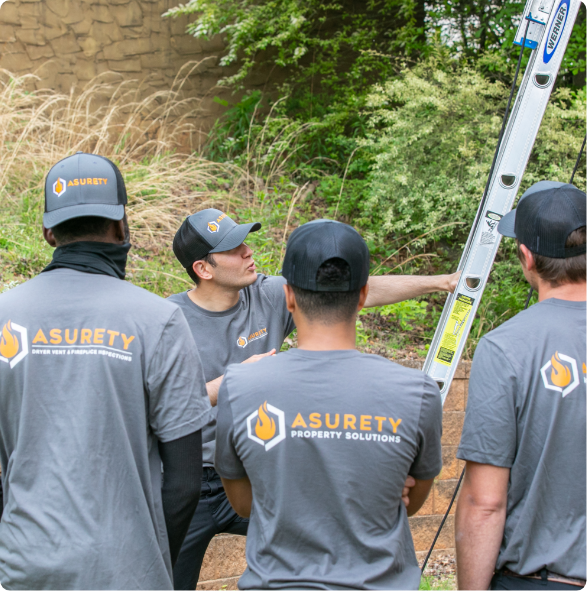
x=290 y=298
x=528 y=262
x=48 y=236
x=120 y=230
x=363 y=296
x=202 y=270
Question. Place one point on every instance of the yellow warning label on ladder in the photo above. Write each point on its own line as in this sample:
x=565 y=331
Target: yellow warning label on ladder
x=454 y=329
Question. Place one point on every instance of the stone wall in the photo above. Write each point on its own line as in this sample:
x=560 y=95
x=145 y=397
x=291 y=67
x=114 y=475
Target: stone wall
x=66 y=43
x=225 y=559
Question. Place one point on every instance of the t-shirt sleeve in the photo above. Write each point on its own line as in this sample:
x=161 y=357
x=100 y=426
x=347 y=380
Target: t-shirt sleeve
x=428 y=462
x=178 y=400
x=272 y=287
x=489 y=432
x=227 y=463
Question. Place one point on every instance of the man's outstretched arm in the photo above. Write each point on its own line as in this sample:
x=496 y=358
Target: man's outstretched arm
x=391 y=289
x=480 y=521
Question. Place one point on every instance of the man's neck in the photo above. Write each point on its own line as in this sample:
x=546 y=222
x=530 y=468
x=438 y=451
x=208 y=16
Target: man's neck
x=213 y=297
x=322 y=337
x=572 y=292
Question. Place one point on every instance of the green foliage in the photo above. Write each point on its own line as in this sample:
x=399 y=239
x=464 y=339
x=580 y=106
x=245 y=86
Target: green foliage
x=406 y=313
x=432 y=136
x=335 y=40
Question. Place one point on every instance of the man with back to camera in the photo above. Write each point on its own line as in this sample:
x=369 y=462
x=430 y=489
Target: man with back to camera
x=520 y=521
x=100 y=384
x=315 y=443
x=239 y=316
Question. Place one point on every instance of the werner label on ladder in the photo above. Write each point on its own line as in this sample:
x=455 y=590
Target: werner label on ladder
x=545 y=29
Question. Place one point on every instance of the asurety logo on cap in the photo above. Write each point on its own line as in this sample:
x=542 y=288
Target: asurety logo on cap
x=214 y=226
x=560 y=373
x=269 y=426
x=14 y=345
x=60 y=185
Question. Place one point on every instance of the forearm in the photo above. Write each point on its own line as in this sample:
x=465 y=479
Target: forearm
x=479 y=531
x=212 y=388
x=182 y=478
x=418 y=495
x=240 y=495
x=391 y=289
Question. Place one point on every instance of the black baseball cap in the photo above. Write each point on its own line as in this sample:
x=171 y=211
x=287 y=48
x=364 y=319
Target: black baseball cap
x=546 y=214
x=206 y=232
x=316 y=242
x=83 y=185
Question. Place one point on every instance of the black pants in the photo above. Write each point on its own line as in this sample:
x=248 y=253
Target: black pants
x=503 y=581
x=214 y=515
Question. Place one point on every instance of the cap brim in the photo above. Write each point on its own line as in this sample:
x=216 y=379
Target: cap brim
x=507 y=223
x=101 y=210
x=236 y=237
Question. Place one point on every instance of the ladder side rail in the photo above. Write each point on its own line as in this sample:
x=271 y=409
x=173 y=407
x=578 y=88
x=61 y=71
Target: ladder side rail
x=519 y=137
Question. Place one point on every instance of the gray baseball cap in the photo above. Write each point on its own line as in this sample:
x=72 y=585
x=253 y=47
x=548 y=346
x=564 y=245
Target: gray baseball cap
x=206 y=232
x=83 y=185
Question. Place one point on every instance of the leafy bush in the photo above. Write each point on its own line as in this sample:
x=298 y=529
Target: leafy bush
x=432 y=134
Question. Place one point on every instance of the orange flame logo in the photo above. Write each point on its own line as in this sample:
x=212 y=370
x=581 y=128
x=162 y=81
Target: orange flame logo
x=242 y=341
x=265 y=427
x=8 y=342
x=58 y=186
x=560 y=374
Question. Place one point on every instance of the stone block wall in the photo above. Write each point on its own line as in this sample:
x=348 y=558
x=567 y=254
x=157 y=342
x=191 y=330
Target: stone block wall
x=66 y=43
x=225 y=559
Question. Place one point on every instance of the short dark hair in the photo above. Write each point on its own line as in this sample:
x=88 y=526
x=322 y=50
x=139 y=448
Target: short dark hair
x=329 y=306
x=79 y=228
x=190 y=270
x=561 y=271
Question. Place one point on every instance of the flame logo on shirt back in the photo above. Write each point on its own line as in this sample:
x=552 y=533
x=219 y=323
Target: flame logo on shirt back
x=269 y=426
x=265 y=427
x=560 y=373
x=13 y=343
x=8 y=342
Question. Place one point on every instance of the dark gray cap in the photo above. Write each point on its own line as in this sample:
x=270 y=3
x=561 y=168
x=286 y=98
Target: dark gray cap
x=314 y=243
x=208 y=231
x=83 y=185
x=546 y=214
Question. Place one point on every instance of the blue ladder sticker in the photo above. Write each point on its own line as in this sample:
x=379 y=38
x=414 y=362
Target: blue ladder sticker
x=556 y=30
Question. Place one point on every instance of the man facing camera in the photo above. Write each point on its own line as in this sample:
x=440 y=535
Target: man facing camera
x=237 y=315
x=520 y=521
x=315 y=444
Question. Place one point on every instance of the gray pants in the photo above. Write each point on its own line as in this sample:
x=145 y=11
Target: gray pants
x=503 y=581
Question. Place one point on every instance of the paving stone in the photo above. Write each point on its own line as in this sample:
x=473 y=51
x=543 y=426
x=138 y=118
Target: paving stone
x=449 y=462
x=36 y=52
x=225 y=557
x=455 y=399
x=9 y=15
x=129 y=15
x=7 y=34
x=452 y=426
x=443 y=491
x=424 y=529
x=126 y=65
x=228 y=584
x=65 y=44
x=31 y=36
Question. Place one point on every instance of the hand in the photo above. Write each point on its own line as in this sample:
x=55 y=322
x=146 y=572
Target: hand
x=406 y=491
x=255 y=358
x=452 y=281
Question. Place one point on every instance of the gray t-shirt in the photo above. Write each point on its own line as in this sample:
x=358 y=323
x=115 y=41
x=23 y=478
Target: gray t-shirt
x=258 y=323
x=327 y=439
x=526 y=411
x=93 y=372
